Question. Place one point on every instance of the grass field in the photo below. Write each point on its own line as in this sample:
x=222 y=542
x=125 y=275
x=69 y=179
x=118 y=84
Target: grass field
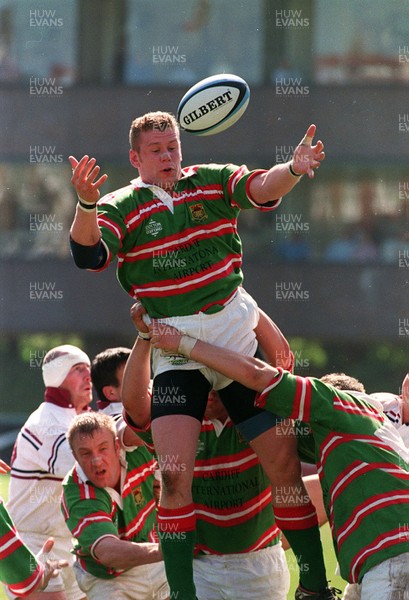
x=330 y=559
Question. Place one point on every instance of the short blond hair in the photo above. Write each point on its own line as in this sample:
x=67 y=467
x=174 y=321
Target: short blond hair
x=149 y=122
x=88 y=423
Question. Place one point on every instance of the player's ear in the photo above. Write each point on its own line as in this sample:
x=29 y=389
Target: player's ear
x=110 y=393
x=134 y=158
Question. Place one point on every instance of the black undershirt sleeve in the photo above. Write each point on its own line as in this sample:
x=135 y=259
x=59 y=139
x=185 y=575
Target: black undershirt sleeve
x=88 y=257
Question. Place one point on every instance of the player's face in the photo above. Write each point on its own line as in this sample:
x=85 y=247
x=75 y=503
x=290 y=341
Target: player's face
x=113 y=392
x=98 y=456
x=78 y=384
x=158 y=157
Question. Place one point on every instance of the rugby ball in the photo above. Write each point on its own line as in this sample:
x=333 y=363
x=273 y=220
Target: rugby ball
x=213 y=104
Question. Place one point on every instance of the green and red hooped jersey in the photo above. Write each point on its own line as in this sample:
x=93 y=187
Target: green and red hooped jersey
x=362 y=464
x=230 y=490
x=19 y=568
x=232 y=494
x=92 y=513
x=182 y=254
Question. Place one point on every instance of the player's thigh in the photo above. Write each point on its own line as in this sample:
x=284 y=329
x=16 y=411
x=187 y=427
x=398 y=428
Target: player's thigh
x=179 y=392
x=175 y=431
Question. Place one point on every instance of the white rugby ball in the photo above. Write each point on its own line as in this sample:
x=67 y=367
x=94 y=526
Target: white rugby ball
x=213 y=104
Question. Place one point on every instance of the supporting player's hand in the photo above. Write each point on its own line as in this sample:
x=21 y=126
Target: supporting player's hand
x=164 y=336
x=307 y=157
x=84 y=178
x=4 y=468
x=52 y=567
x=139 y=317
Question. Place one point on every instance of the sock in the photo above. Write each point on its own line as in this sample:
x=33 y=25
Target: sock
x=177 y=533
x=299 y=524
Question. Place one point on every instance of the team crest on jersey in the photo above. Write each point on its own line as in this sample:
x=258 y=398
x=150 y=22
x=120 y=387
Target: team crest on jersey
x=153 y=228
x=198 y=212
x=138 y=496
x=200 y=447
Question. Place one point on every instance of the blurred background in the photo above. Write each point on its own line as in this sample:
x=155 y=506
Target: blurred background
x=330 y=266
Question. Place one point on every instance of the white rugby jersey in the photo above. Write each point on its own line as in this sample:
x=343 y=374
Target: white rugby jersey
x=392 y=407
x=41 y=459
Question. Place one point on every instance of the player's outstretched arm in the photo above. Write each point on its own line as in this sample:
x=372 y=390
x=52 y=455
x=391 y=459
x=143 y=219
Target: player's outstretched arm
x=251 y=372
x=281 y=178
x=84 y=229
x=121 y=554
x=135 y=394
x=273 y=343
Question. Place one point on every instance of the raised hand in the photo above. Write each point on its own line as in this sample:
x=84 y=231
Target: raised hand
x=84 y=178
x=307 y=157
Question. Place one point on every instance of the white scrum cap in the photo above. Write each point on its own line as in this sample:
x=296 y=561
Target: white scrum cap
x=58 y=362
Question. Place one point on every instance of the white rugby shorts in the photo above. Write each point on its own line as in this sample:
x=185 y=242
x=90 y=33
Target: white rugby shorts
x=146 y=582
x=232 y=327
x=260 y=575
x=389 y=579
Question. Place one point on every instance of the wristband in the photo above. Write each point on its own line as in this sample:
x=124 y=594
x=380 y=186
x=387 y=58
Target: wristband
x=186 y=345
x=143 y=335
x=290 y=168
x=86 y=206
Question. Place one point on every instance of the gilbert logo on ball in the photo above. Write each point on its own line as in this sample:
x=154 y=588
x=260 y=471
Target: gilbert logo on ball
x=213 y=104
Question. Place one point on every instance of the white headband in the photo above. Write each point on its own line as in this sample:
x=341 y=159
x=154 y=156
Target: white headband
x=58 y=362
